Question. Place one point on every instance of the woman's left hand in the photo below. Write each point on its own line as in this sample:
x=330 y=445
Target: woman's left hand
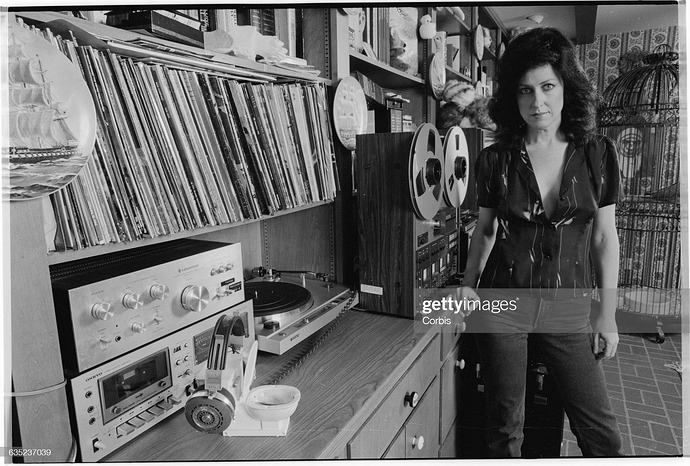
x=609 y=347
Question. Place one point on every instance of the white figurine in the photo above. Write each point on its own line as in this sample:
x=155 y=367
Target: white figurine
x=427 y=28
x=487 y=37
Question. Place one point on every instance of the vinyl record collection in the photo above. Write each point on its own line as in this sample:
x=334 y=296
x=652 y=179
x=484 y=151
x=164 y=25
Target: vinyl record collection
x=178 y=149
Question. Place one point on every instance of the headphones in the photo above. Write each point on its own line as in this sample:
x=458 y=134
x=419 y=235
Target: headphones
x=211 y=409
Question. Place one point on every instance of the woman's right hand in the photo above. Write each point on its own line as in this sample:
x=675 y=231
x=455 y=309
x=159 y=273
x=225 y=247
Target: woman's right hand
x=466 y=293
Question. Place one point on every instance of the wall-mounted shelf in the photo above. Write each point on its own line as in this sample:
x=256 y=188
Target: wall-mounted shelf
x=454 y=74
x=383 y=74
x=448 y=21
x=66 y=256
x=488 y=54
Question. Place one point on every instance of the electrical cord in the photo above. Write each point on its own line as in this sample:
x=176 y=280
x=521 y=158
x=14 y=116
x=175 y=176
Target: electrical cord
x=298 y=359
x=40 y=391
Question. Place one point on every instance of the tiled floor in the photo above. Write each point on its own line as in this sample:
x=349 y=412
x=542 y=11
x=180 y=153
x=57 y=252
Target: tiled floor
x=646 y=397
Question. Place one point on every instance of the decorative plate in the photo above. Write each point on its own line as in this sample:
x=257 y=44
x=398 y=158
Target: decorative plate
x=351 y=11
x=437 y=75
x=51 y=117
x=479 y=42
x=349 y=111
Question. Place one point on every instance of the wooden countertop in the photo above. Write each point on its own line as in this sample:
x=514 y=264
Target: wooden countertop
x=341 y=382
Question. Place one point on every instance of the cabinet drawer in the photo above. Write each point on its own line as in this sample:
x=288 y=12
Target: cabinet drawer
x=450 y=336
x=377 y=433
x=450 y=389
x=421 y=429
x=449 y=448
x=397 y=449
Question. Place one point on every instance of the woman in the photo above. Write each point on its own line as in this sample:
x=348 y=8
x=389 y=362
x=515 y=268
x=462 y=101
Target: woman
x=546 y=192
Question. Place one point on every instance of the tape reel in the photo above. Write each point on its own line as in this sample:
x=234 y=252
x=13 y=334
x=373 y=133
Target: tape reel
x=456 y=167
x=425 y=174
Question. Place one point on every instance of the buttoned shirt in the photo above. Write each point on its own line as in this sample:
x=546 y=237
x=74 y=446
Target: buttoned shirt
x=532 y=250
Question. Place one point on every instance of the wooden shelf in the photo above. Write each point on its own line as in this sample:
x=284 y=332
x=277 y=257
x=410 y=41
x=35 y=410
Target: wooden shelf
x=447 y=21
x=66 y=256
x=488 y=54
x=454 y=74
x=382 y=74
x=87 y=31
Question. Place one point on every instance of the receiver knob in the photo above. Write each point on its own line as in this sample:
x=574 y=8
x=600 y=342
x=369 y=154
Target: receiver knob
x=158 y=291
x=101 y=311
x=195 y=298
x=132 y=301
x=138 y=327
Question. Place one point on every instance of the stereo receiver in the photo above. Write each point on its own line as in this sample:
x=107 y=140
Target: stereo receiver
x=114 y=303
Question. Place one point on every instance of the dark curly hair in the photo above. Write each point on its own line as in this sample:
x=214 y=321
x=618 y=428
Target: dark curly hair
x=532 y=49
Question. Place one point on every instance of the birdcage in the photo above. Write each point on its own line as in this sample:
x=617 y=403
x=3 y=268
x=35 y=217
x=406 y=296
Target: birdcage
x=640 y=113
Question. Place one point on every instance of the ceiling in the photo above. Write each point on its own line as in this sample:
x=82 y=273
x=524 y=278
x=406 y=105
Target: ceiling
x=582 y=22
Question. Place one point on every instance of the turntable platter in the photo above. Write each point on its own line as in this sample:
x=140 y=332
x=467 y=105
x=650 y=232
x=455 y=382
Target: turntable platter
x=277 y=301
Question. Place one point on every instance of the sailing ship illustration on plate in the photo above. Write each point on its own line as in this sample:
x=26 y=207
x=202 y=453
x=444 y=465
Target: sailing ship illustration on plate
x=37 y=121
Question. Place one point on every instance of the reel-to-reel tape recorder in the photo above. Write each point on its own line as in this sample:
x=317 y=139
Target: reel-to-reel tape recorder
x=409 y=187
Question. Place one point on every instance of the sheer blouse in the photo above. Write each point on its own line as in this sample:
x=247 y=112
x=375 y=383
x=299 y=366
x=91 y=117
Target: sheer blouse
x=532 y=250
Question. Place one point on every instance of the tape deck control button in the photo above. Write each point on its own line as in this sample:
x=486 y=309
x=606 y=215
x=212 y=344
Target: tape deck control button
x=124 y=429
x=146 y=416
x=165 y=405
x=136 y=422
x=156 y=410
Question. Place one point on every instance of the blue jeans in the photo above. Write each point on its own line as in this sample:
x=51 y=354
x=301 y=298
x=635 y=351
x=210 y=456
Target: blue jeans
x=575 y=369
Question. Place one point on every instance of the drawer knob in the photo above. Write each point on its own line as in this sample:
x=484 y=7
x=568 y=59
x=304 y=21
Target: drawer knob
x=412 y=399
x=418 y=442
x=460 y=364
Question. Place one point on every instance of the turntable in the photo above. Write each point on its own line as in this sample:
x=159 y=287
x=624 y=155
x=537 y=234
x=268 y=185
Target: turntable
x=287 y=310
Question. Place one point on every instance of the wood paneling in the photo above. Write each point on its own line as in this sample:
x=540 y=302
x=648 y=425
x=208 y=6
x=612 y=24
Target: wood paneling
x=249 y=236
x=301 y=241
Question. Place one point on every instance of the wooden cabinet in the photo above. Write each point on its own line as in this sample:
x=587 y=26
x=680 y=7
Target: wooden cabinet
x=421 y=430
x=449 y=393
x=428 y=430
x=418 y=437
x=404 y=400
